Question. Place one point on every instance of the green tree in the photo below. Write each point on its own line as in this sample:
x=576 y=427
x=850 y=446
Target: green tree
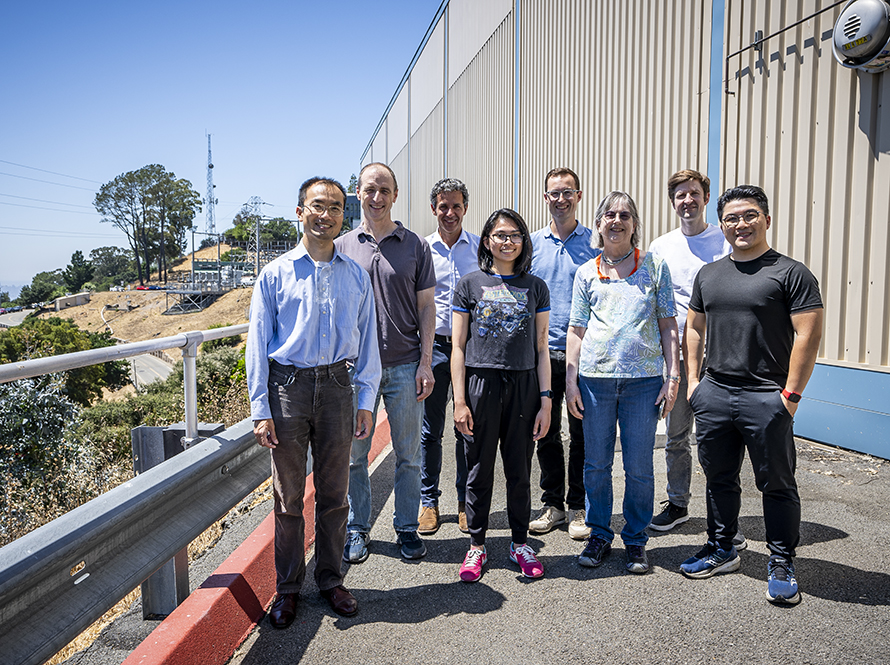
x=272 y=230
x=78 y=272
x=44 y=286
x=39 y=338
x=154 y=210
x=112 y=264
x=353 y=184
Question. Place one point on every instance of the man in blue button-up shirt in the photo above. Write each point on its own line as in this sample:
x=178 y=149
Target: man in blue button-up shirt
x=560 y=248
x=455 y=254
x=311 y=316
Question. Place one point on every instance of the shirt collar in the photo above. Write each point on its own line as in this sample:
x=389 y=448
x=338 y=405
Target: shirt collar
x=300 y=252
x=399 y=231
x=437 y=239
x=577 y=231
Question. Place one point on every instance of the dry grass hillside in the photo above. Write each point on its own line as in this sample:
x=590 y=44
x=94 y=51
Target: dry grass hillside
x=135 y=316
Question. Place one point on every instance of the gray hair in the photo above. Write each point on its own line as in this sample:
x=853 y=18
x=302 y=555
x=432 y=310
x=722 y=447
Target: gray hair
x=606 y=204
x=449 y=185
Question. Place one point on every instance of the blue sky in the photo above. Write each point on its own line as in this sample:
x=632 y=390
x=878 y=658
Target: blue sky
x=94 y=89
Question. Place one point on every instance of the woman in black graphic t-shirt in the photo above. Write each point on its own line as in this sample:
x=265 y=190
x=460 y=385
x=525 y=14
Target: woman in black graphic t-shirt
x=501 y=392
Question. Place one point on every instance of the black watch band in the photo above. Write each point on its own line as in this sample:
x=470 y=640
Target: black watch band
x=547 y=393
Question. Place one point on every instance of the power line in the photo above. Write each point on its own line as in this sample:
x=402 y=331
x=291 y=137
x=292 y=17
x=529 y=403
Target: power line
x=46 y=233
x=58 y=203
x=49 y=182
x=64 y=175
x=69 y=212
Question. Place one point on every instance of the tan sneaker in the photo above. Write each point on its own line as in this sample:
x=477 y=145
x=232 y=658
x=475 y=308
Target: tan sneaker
x=462 y=517
x=428 y=520
x=549 y=519
x=578 y=529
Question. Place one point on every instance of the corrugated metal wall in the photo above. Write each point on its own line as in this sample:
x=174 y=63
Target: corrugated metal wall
x=617 y=91
x=816 y=137
x=480 y=127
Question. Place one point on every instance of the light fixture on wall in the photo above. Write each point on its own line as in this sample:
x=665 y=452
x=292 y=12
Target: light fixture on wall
x=862 y=36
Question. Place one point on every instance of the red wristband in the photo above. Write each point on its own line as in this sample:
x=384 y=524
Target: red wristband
x=791 y=397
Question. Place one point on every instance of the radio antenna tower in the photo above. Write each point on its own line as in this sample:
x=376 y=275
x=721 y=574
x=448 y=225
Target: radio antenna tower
x=210 y=201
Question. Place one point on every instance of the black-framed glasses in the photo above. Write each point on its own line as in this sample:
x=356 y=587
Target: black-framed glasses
x=749 y=216
x=610 y=215
x=334 y=210
x=501 y=238
x=555 y=194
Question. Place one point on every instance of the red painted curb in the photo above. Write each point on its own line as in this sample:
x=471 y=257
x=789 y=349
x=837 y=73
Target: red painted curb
x=219 y=615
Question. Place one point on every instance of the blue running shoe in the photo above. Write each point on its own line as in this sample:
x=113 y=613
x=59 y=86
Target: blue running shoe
x=782 y=586
x=708 y=562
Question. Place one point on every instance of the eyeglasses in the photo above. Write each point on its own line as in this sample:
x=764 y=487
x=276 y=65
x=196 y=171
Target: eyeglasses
x=750 y=216
x=334 y=210
x=623 y=216
x=555 y=194
x=515 y=238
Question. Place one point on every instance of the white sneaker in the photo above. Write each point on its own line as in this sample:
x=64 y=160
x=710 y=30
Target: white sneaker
x=578 y=529
x=549 y=518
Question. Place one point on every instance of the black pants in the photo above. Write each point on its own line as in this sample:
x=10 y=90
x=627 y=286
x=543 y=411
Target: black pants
x=504 y=404
x=551 y=455
x=729 y=420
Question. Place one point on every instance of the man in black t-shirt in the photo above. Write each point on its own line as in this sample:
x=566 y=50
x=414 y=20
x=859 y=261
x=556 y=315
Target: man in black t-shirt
x=761 y=314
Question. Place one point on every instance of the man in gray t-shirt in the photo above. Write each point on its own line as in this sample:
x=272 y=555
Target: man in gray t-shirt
x=401 y=269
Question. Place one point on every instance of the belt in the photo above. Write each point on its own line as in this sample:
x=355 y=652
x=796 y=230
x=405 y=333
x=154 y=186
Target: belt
x=293 y=372
x=444 y=339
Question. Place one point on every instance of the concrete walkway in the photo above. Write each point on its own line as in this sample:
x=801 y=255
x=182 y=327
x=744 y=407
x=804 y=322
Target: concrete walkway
x=419 y=612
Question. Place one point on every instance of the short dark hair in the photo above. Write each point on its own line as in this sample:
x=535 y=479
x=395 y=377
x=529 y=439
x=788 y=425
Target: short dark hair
x=449 y=185
x=486 y=260
x=606 y=204
x=685 y=176
x=395 y=183
x=752 y=192
x=562 y=170
x=304 y=188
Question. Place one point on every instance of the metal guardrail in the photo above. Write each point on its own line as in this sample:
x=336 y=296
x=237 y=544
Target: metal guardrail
x=58 y=579
x=188 y=342
x=61 y=577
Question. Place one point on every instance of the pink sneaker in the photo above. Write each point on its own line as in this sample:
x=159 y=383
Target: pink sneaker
x=528 y=562
x=471 y=570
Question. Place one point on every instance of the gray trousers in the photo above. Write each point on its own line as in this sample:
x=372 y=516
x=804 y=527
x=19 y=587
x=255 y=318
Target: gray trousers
x=678 y=449
x=310 y=407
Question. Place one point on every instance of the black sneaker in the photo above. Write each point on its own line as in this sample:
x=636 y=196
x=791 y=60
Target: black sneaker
x=594 y=552
x=411 y=545
x=669 y=517
x=637 y=561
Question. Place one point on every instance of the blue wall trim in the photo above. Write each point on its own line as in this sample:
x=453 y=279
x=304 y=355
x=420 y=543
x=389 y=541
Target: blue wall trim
x=847 y=407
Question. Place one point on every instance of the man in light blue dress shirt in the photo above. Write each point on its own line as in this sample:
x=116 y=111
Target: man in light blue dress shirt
x=560 y=248
x=454 y=253
x=311 y=316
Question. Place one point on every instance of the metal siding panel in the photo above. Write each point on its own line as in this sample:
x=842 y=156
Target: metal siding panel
x=400 y=210
x=426 y=169
x=471 y=24
x=397 y=123
x=427 y=77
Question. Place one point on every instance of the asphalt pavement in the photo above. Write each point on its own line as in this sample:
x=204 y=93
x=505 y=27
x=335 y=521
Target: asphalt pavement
x=419 y=612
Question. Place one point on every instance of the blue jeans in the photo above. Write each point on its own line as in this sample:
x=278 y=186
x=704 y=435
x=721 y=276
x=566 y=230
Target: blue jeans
x=434 y=415
x=404 y=412
x=630 y=403
x=678 y=449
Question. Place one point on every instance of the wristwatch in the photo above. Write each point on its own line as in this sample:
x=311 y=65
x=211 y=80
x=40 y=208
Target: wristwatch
x=547 y=393
x=791 y=397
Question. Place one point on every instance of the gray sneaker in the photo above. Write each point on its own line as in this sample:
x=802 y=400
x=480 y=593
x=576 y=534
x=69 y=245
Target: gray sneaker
x=739 y=541
x=549 y=519
x=356 y=549
x=578 y=528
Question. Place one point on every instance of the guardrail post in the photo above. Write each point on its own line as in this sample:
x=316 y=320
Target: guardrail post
x=169 y=585
x=190 y=386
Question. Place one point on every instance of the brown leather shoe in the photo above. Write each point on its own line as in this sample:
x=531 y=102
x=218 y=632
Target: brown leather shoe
x=284 y=610
x=341 y=601
x=428 y=520
x=462 y=517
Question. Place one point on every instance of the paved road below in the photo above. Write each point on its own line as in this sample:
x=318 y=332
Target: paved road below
x=420 y=612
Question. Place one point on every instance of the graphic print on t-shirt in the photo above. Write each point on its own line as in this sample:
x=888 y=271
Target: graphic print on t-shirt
x=502 y=309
